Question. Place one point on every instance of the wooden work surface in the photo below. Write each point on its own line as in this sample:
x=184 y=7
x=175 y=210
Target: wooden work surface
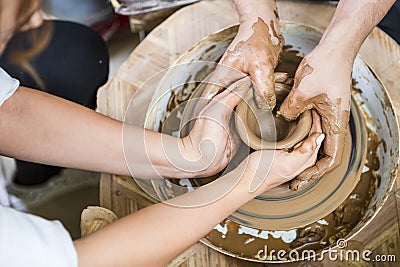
x=180 y=32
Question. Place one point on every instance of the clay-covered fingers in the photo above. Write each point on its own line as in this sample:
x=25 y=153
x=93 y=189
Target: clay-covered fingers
x=264 y=80
x=264 y=86
x=222 y=77
x=285 y=165
x=224 y=102
x=298 y=100
x=316 y=126
x=294 y=104
x=213 y=125
x=302 y=157
x=333 y=151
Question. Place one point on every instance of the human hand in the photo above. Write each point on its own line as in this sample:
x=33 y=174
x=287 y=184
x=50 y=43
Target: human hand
x=301 y=158
x=211 y=143
x=254 y=51
x=322 y=82
x=280 y=171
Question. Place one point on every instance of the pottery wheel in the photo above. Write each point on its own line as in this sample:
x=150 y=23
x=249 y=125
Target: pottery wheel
x=282 y=208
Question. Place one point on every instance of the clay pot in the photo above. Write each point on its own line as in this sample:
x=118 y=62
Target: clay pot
x=266 y=130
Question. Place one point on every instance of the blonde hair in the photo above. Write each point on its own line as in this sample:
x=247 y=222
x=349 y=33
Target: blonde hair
x=40 y=39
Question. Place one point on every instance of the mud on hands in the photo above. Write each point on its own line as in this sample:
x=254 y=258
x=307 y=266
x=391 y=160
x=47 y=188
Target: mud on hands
x=322 y=83
x=254 y=51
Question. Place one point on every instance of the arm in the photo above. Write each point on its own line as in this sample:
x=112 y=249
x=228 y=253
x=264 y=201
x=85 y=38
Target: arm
x=179 y=223
x=351 y=24
x=39 y=127
x=323 y=79
x=254 y=51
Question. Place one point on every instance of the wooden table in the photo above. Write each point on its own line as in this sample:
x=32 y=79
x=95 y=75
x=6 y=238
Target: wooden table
x=177 y=34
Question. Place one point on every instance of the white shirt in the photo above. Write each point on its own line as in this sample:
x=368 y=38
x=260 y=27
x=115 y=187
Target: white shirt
x=28 y=240
x=8 y=86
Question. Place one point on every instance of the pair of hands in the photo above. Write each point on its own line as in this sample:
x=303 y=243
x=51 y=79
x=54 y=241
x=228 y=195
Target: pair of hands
x=213 y=143
x=322 y=82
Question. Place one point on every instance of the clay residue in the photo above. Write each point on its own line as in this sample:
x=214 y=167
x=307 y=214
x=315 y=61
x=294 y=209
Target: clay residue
x=277 y=38
x=313 y=233
x=264 y=45
x=210 y=49
x=176 y=99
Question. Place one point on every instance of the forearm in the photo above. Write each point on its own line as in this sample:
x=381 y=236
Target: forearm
x=152 y=155
x=250 y=11
x=351 y=24
x=155 y=235
x=38 y=127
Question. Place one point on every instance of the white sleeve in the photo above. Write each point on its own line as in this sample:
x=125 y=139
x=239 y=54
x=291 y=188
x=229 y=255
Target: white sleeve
x=8 y=85
x=28 y=240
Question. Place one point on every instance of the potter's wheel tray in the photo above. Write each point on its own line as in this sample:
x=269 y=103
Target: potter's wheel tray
x=339 y=205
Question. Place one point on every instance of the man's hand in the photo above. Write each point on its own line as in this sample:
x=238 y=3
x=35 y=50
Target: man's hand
x=323 y=79
x=254 y=51
x=323 y=83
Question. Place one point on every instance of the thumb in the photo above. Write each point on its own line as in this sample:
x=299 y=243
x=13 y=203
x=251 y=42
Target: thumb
x=264 y=88
x=306 y=154
x=221 y=78
x=294 y=105
x=234 y=94
x=300 y=159
x=221 y=106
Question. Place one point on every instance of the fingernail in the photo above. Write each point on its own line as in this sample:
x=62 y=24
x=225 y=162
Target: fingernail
x=320 y=139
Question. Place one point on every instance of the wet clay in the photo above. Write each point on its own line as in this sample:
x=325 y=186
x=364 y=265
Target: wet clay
x=264 y=130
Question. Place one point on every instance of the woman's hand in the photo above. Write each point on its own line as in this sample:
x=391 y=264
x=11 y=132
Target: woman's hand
x=254 y=51
x=323 y=83
x=270 y=168
x=213 y=141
